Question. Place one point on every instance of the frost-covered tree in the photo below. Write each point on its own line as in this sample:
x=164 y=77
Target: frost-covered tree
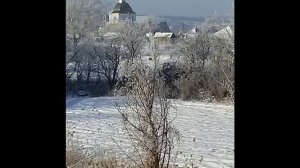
x=207 y=65
x=83 y=18
x=108 y=56
x=196 y=50
x=146 y=116
x=133 y=38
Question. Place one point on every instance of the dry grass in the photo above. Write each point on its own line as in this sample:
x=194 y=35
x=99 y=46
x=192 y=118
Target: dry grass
x=73 y=157
x=77 y=159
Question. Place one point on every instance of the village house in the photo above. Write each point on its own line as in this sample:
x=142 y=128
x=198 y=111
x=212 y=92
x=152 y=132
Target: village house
x=164 y=37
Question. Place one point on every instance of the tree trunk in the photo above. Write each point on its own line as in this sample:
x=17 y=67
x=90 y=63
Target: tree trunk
x=88 y=74
x=152 y=161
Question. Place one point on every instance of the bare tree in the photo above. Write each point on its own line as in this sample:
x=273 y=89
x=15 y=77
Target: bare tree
x=133 y=38
x=223 y=62
x=207 y=66
x=82 y=63
x=108 y=57
x=146 y=116
x=83 y=16
x=82 y=20
x=196 y=50
x=194 y=53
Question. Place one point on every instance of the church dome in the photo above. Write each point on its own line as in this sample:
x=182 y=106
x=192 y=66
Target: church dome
x=122 y=7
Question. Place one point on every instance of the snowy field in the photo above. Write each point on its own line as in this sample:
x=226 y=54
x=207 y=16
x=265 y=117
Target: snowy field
x=207 y=129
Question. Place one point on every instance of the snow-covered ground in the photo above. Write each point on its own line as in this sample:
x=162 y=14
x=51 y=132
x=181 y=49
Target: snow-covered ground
x=207 y=129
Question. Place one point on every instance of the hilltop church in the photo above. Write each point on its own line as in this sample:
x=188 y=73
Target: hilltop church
x=122 y=12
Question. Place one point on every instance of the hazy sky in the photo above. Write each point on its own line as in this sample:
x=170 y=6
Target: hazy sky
x=179 y=7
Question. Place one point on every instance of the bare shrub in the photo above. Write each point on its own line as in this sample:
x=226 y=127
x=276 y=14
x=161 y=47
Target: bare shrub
x=169 y=73
x=207 y=65
x=146 y=116
x=221 y=69
x=191 y=86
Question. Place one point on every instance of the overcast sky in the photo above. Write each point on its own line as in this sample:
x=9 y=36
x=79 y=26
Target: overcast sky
x=179 y=7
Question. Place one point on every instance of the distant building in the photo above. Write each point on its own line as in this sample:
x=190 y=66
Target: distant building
x=163 y=27
x=122 y=12
x=143 y=19
x=164 y=35
x=225 y=33
x=190 y=33
x=195 y=30
x=164 y=38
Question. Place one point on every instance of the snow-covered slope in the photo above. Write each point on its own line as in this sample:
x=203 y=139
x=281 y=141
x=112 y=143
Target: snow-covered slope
x=207 y=129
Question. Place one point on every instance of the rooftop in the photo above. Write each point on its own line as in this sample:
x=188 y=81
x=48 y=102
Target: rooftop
x=122 y=7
